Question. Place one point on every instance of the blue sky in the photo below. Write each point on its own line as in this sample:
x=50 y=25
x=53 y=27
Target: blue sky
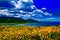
x=51 y=5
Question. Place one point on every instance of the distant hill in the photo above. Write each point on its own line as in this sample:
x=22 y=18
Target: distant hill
x=15 y=20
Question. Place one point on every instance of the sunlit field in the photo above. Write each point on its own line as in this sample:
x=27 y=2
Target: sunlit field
x=29 y=33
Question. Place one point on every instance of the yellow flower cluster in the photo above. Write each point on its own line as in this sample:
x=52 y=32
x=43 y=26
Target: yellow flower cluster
x=27 y=32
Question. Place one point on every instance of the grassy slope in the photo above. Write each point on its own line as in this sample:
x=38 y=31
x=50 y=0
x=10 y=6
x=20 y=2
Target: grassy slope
x=15 y=20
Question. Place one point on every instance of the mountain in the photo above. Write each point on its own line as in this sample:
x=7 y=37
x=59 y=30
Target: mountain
x=15 y=20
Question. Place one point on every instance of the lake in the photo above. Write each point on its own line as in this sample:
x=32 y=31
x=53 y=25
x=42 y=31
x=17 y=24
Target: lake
x=33 y=24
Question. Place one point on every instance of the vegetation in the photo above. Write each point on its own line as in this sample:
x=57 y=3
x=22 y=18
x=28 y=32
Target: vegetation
x=15 y=20
x=29 y=33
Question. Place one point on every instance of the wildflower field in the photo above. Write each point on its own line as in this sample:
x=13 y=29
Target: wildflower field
x=29 y=33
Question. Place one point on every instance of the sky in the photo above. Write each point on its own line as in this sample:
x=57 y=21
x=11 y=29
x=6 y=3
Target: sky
x=51 y=5
x=32 y=10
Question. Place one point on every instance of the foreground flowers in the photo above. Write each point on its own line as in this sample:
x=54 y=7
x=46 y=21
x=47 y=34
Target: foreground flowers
x=29 y=33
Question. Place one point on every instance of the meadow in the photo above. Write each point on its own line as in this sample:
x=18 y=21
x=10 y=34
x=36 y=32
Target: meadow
x=29 y=33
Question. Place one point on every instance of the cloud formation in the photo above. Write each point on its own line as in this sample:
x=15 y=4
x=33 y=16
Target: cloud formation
x=25 y=9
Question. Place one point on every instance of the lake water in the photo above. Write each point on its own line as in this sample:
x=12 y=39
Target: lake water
x=42 y=24
x=35 y=24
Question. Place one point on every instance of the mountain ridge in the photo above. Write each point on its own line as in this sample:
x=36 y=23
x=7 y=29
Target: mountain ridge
x=15 y=20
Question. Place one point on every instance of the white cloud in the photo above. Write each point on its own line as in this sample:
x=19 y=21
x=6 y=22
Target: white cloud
x=33 y=6
x=32 y=14
x=21 y=11
x=43 y=8
x=46 y=13
x=4 y=12
x=25 y=0
x=35 y=14
x=39 y=10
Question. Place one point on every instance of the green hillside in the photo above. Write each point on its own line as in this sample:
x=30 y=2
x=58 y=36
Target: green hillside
x=15 y=20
